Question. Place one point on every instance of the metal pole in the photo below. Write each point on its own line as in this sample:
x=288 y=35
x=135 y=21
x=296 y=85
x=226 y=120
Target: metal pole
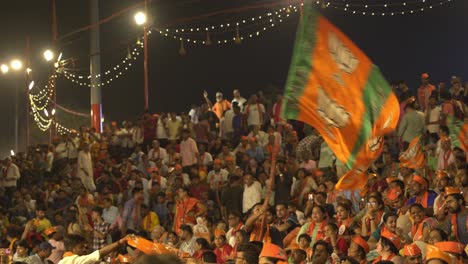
x=28 y=64
x=145 y=64
x=95 y=68
x=16 y=116
x=54 y=40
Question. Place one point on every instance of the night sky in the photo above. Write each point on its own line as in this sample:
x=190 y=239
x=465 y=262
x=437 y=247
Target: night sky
x=433 y=41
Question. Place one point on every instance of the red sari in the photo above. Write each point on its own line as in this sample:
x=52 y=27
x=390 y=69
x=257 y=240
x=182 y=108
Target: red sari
x=223 y=253
x=185 y=213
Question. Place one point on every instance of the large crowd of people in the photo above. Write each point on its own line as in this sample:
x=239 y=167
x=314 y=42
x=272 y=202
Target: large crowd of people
x=232 y=182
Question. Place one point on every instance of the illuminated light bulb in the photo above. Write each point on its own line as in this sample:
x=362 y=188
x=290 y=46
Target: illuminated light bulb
x=31 y=85
x=16 y=64
x=140 y=18
x=4 y=68
x=48 y=55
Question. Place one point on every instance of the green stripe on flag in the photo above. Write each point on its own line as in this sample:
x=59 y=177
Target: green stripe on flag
x=374 y=96
x=301 y=63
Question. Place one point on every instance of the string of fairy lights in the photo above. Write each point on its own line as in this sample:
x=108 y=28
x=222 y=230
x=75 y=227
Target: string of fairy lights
x=41 y=102
x=110 y=75
x=384 y=9
x=240 y=29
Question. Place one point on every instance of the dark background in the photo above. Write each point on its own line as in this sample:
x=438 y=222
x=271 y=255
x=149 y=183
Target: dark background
x=433 y=41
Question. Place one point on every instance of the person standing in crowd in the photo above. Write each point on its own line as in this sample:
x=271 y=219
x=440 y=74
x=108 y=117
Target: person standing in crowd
x=188 y=150
x=252 y=193
x=254 y=112
x=425 y=91
x=187 y=209
x=100 y=229
x=85 y=168
x=10 y=176
x=238 y=99
x=220 y=106
x=412 y=125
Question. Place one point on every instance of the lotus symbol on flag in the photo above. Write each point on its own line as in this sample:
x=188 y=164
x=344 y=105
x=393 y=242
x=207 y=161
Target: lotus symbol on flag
x=332 y=113
x=410 y=153
x=374 y=144
x=341 y=54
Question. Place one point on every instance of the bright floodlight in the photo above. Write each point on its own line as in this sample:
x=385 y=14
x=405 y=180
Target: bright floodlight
x=31 y=85
x=46 y=112
x=4 y=68
x=53 y=111
x=140 y=18
x=48 y=55
x=16 y=65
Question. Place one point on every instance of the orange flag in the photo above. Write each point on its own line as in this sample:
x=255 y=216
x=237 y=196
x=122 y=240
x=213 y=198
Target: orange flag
x=334 y=87
x=413 y=157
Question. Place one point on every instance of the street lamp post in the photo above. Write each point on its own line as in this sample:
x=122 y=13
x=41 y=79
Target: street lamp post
x=141 y=19
x=16 y=65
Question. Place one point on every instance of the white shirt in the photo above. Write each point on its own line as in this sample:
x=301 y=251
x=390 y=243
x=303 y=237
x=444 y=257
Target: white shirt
x=72 y=148
x=254 y=114
x=441 y=162
x=162 y=182
x=125 y=137
x=206 y=158
x=188 y=246
x=232 y=238
x=61 y=151
x=11 y=175
x=434 y=115
x=137 y=135
x=86 y=259
x=227 y=122
x=161 y=132
x=193 y=116
x=240 y=102
x=158 y=154
x=85 y=163
x=214 y=178
x=251 y=196
x=109 y=215
x=50 y=161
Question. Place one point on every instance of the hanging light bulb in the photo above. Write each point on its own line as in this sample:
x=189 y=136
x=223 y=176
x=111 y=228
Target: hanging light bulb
x=46 y=112
x=237 y=40
x=182 y=50
x=53 y=111
x=208 y=39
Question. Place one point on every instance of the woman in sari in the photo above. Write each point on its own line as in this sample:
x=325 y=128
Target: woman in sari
x=388 y=247
x=315 y=228
x=187 y=209
x=373 y=216
x=305 y=185
x=422 y=224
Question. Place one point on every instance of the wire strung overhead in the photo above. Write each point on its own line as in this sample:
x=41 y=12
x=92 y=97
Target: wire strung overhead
x=383 y=8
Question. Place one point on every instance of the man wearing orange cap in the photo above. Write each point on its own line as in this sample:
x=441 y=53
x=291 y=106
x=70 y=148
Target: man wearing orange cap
x=442 y=181
x=421 y=195
x=436 y=256
x=358 y=249
x=412 y=254
x=272 y=254
x=424 y=91
x=454 y=249
x=223 y=249
x=458 y=221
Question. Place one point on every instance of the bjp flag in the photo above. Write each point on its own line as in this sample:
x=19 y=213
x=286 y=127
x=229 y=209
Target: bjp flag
x=333 y=86
x=458 y=133
x=413 y=157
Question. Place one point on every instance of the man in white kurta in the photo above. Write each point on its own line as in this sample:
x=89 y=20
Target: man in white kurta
x=85 y=168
